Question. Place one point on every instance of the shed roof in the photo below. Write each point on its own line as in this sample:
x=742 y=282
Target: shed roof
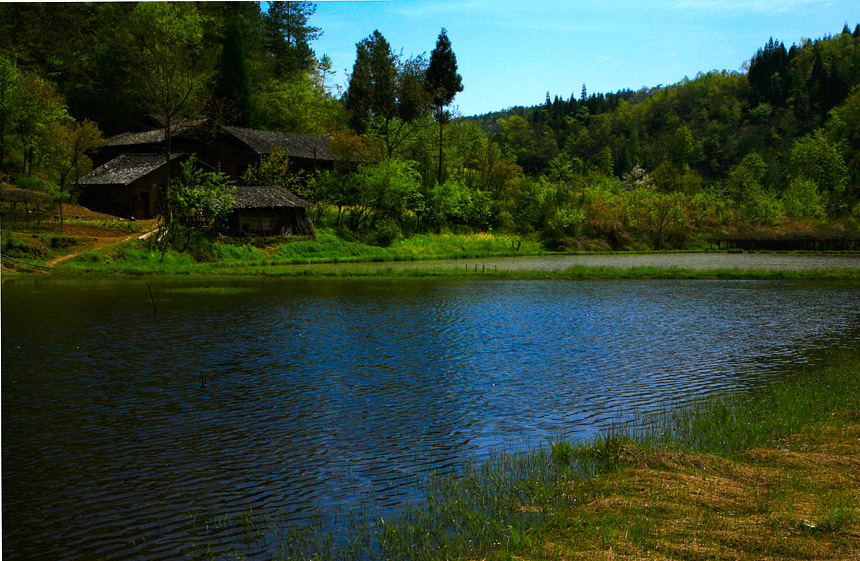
x=153 y=136
x=309 y=146
x=258 y=196
x=125 y=169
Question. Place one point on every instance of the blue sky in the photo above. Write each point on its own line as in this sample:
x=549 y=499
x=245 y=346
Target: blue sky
x=512 y=52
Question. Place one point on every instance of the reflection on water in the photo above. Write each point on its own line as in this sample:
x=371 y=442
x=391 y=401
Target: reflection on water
x=284 y=396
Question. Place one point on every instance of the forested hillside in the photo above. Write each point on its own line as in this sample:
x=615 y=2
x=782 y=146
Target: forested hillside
x=776 y=147
x=781 y=139
x=785 y=95
x=251 y=68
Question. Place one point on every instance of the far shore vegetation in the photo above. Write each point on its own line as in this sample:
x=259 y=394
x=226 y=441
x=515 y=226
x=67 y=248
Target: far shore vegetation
x=770 y=473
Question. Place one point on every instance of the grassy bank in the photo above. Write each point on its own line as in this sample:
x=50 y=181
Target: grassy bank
x=274 y=256
x=331 y=255
x=769 y=474
x=775 y=474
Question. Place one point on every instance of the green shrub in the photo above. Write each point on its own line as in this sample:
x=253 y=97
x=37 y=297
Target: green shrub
x=384 y=233
x=853 y=220
x=803 y=200
x=34 y=184
x=23 y=248
x=762 y=207
x=90 y=257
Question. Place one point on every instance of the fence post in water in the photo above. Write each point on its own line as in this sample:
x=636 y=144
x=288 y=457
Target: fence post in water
x=154 y=309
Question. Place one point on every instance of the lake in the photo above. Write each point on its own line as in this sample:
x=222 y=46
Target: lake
x=292 y=396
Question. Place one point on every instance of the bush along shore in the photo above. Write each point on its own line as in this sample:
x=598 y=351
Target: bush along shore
x=774 y=473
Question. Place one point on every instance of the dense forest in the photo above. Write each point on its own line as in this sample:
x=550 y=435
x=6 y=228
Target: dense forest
x=774 y=147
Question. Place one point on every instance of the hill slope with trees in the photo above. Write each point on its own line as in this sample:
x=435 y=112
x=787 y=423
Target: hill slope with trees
x=774 y=148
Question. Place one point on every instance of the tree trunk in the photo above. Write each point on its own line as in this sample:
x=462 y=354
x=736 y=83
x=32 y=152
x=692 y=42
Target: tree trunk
x=441 y=124
x=440 y=152
x=165 y=203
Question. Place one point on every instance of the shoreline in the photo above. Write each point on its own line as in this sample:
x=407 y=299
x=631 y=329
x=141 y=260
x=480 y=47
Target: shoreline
x=585 y=266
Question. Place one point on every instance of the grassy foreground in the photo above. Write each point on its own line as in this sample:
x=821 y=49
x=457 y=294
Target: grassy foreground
x=795 y=500
x=773 y=474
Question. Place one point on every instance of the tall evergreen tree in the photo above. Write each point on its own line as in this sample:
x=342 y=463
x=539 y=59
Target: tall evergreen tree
x=768 y=74
x=289 y=36
x=385 y=94
x=443 y=83
x=233 y=87
x=372 y=90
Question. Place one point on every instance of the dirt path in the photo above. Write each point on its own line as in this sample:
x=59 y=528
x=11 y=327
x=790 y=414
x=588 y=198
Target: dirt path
x=101 y=244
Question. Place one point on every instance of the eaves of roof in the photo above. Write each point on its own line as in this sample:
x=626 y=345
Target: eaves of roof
x=126 y=169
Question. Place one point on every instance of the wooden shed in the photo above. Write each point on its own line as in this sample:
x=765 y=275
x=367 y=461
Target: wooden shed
x=25 y=205
x=268 y=211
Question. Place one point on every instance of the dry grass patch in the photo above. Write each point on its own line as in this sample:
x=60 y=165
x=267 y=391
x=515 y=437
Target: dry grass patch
x=801 y=501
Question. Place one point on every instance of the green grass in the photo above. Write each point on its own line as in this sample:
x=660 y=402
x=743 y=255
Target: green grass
x=296 y=257
x=282 y=256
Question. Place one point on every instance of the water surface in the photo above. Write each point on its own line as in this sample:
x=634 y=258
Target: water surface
x=287 y=396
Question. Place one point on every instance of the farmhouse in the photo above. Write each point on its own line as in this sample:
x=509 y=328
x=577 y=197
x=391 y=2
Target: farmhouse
x=222 y=148
x=131 y=169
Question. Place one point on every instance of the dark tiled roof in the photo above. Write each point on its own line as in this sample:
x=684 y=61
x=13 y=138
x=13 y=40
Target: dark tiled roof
x=153 y=136
x=309 y=146
x=125 y=169
x=254 y=196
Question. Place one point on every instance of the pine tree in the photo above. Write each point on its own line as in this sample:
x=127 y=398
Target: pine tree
x=385 y=92
x=443 y=83
x=233 y=86
x=289 y=36
x=372 y=91
x=768 y=74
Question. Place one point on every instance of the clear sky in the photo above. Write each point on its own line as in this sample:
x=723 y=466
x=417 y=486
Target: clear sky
x=512 y=52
